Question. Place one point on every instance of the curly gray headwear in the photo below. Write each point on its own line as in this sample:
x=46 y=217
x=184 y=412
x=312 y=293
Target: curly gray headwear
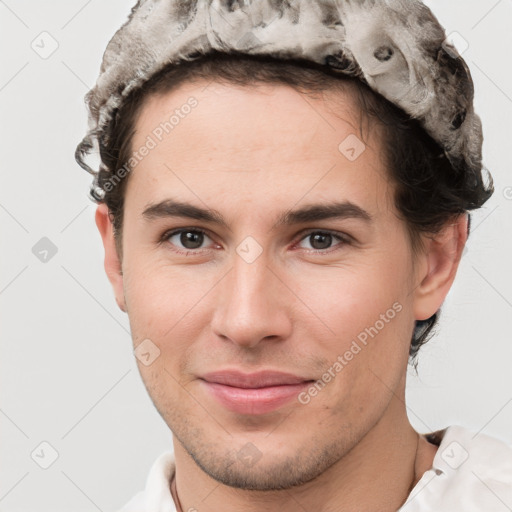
x=397 y=47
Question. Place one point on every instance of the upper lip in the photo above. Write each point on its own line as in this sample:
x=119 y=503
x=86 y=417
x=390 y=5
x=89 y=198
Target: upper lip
x=259 y=379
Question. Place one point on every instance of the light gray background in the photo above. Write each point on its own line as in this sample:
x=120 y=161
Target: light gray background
x=68 y=375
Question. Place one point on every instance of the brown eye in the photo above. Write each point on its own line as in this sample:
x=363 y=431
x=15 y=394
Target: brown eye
x=322 y=240
x=191 y=239
x=186 y=239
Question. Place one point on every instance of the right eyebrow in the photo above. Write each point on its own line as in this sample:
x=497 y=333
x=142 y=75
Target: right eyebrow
x=172 y=208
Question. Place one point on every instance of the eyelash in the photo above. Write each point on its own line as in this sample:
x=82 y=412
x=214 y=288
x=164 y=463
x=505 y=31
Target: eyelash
x=343 y=239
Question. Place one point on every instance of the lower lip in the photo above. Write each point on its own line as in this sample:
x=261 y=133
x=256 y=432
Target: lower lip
x=254 y=401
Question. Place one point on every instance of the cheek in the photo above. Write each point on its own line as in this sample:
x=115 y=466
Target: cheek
x=164 y=302
x=367 y=307
x=352 y=297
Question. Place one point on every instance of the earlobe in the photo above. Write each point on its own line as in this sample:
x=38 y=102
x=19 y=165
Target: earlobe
x=112 y=263
x=442 y=256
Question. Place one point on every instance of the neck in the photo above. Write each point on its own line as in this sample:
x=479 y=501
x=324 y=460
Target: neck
x=377 y=474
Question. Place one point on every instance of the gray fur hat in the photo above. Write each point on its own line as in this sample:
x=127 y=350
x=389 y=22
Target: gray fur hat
x=397 y=47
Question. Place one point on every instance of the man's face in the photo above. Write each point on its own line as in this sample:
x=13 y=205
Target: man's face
x=255 y=294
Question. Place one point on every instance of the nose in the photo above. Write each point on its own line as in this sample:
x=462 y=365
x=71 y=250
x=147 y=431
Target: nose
x=252 y=304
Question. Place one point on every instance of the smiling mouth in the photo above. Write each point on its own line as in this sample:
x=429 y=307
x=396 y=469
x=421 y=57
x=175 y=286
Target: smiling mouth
x=253 y=394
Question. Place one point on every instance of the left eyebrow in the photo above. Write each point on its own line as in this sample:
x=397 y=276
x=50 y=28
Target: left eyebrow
x=316 y=212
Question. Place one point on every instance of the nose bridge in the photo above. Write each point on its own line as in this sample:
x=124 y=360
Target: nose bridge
x=249 y=303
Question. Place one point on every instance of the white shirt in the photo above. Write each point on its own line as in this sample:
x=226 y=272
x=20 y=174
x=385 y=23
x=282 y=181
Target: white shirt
x=470 y=472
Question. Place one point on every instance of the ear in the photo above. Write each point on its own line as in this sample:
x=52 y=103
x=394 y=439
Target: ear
x=440 y=259
x=112 y=262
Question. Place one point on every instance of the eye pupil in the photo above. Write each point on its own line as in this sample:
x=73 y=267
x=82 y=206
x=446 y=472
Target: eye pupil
x=321 y=237
x=191 y=237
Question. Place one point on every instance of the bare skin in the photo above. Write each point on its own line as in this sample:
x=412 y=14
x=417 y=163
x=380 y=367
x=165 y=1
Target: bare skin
x=253 y=154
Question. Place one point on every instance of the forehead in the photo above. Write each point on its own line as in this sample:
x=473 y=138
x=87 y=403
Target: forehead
x=268 y=142
x=227 y=109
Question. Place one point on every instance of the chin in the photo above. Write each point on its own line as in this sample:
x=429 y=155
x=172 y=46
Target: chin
x=264 y=468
